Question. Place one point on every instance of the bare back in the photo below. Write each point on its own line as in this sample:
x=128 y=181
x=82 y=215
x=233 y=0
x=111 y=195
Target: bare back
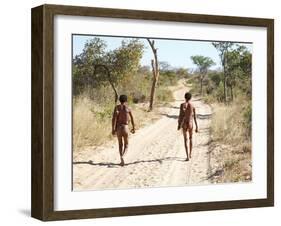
x=186 y=115
x=122 y=114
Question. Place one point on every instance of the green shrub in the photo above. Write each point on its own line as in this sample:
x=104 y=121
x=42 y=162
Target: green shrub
x=138 y=98
x=164 y=95
x=168 y=78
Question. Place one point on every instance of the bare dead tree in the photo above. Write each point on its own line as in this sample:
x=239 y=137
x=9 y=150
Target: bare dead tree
x=155 y=72
x=96 y=66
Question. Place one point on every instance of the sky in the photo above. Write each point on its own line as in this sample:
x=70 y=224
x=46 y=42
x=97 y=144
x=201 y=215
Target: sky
x=176 y=52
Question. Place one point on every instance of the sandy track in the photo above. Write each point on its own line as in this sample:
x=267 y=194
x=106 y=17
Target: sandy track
x=155 y=157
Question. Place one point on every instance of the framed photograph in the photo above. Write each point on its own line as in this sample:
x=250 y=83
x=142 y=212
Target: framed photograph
x=142 y=112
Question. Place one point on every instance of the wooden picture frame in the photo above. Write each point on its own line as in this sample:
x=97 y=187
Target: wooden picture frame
x=42 y=203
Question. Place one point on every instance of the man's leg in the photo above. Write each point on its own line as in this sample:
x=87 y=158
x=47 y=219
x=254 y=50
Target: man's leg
x=185 y=142
x=120 y=143
x=190 y=143
x=126 y=142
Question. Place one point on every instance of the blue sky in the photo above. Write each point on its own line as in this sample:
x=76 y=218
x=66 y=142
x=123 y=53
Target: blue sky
x=176 y=52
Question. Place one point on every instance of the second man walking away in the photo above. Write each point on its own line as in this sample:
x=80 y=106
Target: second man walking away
x=185 y=121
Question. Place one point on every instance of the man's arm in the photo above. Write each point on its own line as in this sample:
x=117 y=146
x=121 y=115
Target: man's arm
x=181 y=115
x=195 y=120
x=132 y=121
x=114 y=120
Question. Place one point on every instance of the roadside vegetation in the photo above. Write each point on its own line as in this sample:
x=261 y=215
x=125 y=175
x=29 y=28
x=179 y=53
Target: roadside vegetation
x=228 y=91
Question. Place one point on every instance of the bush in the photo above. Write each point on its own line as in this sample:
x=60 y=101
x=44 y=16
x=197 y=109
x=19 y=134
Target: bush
x=91 y=122
x=215 y=77
x=168 y=78
x=164 y=95
x=138 y=98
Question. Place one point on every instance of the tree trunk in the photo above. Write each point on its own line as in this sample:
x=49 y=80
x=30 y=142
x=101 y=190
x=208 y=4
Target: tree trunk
x=109 y=80
x=224 y=89
x=152 y=94
x=231 y=92
x=115 y=93
x=224 y=84
x=201 y=85
x=155 y=72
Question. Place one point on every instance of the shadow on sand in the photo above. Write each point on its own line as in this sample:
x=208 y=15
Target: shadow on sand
x=204 y=116
x=114 y=165
x=199 y=116
x=170 y=116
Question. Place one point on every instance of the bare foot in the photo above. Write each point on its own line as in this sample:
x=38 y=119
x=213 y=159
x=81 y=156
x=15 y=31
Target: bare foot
x=122 y=163
x=187 y=159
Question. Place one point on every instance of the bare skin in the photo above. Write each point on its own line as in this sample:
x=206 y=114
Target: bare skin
x=122 y=132
x=187 y=129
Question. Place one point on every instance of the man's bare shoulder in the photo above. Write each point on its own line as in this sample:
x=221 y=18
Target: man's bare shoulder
x=189 y=104
x=192 y=105
x=128 y=108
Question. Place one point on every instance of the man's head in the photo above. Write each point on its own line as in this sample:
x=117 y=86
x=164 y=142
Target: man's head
x=187 y=96
x=123 y=99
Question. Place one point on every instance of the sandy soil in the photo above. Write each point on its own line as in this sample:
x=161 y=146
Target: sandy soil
x=156 y=155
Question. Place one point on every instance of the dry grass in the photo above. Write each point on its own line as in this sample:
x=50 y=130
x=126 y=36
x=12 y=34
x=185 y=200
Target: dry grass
x=227 y=123
x=88 y=127
x=230 y=151
x=92 y=122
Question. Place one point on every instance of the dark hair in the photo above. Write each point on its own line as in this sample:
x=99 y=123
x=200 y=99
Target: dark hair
x=187 y=96
x=123 y=98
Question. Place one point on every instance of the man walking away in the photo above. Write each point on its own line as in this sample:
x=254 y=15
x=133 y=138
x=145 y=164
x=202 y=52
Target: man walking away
x=185 y=121
x=122 y=115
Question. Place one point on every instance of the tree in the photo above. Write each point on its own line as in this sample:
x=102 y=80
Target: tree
x=246 y=67
x=108 y=73
x=155 y=73
x=164 y=66
x=123 y=62
x=182 y=72
x=83 y=70
x=203 y=64
x=233 y=69
x=223 y=48
x=239 y=67
x=245 y=61
x=144 y=70
x=95 y=66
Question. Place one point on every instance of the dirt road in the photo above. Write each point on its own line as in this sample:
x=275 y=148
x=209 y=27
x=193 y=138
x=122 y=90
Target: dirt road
x=156 y=155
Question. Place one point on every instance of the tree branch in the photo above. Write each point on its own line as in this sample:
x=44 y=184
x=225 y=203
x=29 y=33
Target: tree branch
x=109 y=78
